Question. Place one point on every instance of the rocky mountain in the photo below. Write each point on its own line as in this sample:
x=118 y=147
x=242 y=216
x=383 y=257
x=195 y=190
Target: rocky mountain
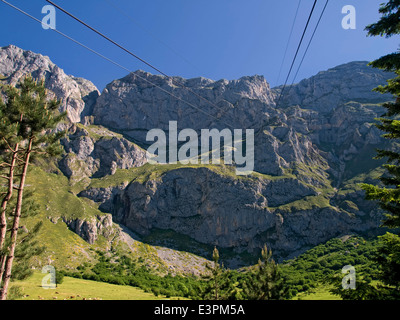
x=76 y=93
x=96 y=152
x=328 y=89
x=311 y=150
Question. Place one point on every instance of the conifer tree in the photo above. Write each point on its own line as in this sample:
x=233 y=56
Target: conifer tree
x=215 y=278
x=27 y=246
x=28 y=119
x=388 y=196
x=266 y=282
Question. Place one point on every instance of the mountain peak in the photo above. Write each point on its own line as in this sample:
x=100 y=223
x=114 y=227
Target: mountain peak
x=16 y=63
x=353 y=81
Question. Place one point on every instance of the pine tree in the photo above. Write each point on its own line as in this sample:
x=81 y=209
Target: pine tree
x=266 y=282
x=27 y=129
x=388 y=258
x=216 y=277
x=231 y=288
x=27 y=246
x=388 y=196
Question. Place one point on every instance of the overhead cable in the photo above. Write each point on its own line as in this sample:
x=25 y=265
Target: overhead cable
x=297 y=51
x=117 y=64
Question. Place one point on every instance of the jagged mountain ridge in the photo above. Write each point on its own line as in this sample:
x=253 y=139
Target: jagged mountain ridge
x=307 y=150
x=76 y=93
x=328 y=89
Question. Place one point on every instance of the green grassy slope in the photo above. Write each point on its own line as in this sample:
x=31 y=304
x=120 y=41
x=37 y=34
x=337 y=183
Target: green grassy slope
x=64 y=248
x=79 y=289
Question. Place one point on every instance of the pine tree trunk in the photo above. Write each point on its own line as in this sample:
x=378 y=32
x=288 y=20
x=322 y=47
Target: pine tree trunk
x=14 y=230
x=6 y=199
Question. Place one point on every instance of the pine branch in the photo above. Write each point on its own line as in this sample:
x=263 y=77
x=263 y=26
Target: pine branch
x=21 y=161
x=8 y=146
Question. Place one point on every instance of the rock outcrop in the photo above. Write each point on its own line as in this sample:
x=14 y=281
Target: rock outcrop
x=77 y=94
x=243 y=214
x=91 y=228
x=95 y=152
x=328 y=89
x=137 y=105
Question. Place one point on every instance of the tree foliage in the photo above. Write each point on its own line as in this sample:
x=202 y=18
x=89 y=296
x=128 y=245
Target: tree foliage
x=216 y=278
x=28 y=118
x=266 y=282
x=387 y=196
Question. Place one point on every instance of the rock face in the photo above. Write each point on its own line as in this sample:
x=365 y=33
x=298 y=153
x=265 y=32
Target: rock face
x=333 y=109
x=242 y=214
x=218 y=209
x=207 y=206
x=76 y=94
x=90 y=229
x=328 y=89
x=138 y=105
x=311 y=150
x=97 y=152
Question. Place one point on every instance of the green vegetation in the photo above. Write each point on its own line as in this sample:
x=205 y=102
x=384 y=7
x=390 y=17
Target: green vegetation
x=78 y=289
x=109 y=269
x=148 y=172
x=215 y=279
x=28 y=245
x=301 y=278
x=51 y=193
x=305 y=277
x=307 y=274
x=98 y=132
x=27 y=130
x=265 y=281
x=388 y=195
x=54 y=195
x=56 y=201
x=124 y=271
x=306 y=203
x=354 y=184
x=321 y=292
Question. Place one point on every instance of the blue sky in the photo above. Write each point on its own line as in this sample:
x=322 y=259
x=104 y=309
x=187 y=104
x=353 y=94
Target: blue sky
x=211 y=38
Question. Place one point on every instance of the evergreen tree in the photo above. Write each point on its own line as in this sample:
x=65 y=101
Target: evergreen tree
x=388 y=196
x=266 y=283
x=216 y=277
x=231 y=288
x=27 y=129
x=388 y=258
x=27 y=245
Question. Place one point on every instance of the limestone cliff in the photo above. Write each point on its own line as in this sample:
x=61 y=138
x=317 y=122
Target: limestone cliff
x=76 y=93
